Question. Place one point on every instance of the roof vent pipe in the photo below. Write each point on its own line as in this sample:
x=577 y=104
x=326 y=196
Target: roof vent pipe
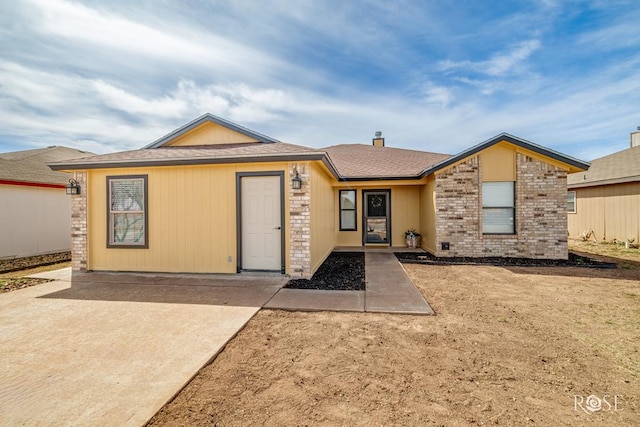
x=635 y=138
x=378 y=141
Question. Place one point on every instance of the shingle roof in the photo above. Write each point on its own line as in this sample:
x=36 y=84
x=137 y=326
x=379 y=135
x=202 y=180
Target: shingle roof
x=354 y=161
x=623 y=166
x=31 y=165
x=182 y=155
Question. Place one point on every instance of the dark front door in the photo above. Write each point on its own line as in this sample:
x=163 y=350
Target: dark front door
x=376 y=217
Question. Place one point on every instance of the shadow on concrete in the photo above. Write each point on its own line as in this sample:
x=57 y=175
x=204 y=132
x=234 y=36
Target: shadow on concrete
x=232 y=290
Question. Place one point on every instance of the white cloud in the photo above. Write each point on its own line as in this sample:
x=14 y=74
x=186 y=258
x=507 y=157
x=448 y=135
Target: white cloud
x=499 y=64
x=100 y=30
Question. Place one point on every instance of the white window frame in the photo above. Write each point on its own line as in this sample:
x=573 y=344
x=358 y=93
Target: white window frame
x=111 y=214
x=575 y=200
x=486 y=207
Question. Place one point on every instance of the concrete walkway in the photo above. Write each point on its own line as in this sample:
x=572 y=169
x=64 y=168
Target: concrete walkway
x=113 y=348
x=388 y=290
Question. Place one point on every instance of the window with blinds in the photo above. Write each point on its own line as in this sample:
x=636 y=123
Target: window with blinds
x=498 y=208
x=127 y=221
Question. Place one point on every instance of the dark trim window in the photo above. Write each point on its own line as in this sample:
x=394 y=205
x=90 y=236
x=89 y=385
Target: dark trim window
x=498 y=208
x=127 y=212
x=348 y=220
x=571 y=201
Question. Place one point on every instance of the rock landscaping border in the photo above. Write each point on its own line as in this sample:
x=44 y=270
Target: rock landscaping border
x=14 y=264
x=574 y=260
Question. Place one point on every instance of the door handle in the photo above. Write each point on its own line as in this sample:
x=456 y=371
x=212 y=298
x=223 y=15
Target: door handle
x=277 y=228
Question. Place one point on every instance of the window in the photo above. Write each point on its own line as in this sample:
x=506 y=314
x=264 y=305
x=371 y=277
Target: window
x=127 y=220
x=571 y=201
x=498 y=208
x=348 y=210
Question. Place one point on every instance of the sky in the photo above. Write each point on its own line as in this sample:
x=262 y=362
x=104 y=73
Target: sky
x=432 y=75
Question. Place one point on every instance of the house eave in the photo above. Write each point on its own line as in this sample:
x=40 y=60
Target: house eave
x=109 y=164
x=380 y=178
x=611 y=181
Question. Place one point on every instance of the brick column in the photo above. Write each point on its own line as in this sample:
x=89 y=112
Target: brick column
x=79 y=249
x=300 y=221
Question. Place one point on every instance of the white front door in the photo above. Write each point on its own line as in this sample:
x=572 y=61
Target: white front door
x=261 y=226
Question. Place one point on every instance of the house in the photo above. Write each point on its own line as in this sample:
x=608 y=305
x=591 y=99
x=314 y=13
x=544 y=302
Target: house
x=36 y=213
x=213 y=196
x=606 y=198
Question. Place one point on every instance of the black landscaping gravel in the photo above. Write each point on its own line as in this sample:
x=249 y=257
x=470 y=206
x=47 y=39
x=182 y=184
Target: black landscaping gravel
x=341 y=271
x=573 y=261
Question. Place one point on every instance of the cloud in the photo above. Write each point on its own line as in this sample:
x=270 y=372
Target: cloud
x=498 y=65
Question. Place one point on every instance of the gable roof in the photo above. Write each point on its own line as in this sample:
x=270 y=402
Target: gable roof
x=616 y=168
x=208 y=117
x=30 y=166
x=572 y=161
x=358 y=162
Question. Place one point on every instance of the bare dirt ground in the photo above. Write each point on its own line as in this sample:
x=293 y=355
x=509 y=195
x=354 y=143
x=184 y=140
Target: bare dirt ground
x=508 y=346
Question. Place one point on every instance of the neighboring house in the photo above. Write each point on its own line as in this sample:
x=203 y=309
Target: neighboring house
x=213 y=196
x=606 y=198
x=35 y=217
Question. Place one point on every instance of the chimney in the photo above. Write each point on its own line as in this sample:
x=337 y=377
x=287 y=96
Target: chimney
x=634 y=137
x=378 y=141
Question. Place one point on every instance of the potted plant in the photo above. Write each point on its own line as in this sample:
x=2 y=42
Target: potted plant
x=412 y=237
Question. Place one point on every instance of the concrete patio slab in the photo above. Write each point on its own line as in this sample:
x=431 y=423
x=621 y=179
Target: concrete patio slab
x=317 y=300
x=60 y=274
x=110 y=353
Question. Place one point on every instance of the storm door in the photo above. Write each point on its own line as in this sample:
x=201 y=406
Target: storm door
x=376 y=217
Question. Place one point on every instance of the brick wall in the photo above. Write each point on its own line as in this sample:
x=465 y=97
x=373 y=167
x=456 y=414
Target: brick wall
x=79 y=225
x=300 y=222
x=541 y=218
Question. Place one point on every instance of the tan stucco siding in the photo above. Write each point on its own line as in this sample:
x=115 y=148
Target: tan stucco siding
x=611 y=211
x=405 y=211
x=34 y=221
x=322 y=216
x=499 y=163
x=210 y=134
x=428 y=215
x=192 y=219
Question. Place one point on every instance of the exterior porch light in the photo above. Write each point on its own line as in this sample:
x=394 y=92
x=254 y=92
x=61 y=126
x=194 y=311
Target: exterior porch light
x=72 y=187
x=296 y=182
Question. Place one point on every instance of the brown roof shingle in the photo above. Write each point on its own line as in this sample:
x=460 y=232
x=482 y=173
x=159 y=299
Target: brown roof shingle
x=369 y=161
x=192 y=154
x=623 y=166
x=31 y=165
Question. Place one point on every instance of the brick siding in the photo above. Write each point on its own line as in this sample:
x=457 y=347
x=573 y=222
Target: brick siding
x=300 y=222
x=541 y=216
x=79 y=249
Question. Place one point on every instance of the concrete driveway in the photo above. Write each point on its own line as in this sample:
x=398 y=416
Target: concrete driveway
x=113 y=349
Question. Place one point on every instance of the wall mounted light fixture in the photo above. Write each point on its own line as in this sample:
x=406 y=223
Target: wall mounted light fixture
x=296 y=182
x=72 y=187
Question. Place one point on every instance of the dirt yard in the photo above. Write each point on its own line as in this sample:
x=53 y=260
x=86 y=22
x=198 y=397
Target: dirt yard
x=508 y=346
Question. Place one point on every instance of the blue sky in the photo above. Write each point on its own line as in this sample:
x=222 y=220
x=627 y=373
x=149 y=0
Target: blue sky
x=432 y=75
